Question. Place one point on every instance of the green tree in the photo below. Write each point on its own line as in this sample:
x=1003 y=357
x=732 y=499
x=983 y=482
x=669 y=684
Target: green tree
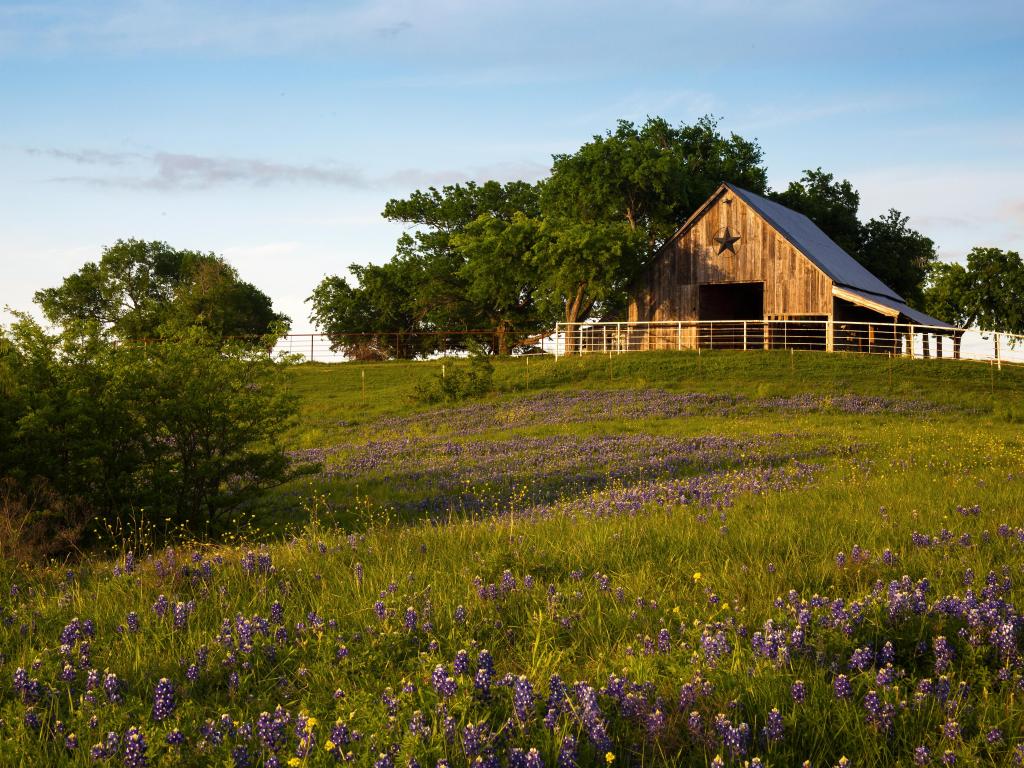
x=947 y=294
x=651 y=176
x=897 y=255
x=138 y=287
x=444 y=295
x=498 y=274
x=988 y=292
x=367 y=320
x=441 y=276
x=829 y=203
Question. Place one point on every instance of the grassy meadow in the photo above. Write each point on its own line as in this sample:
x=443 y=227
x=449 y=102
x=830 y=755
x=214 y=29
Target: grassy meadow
x=653 y=559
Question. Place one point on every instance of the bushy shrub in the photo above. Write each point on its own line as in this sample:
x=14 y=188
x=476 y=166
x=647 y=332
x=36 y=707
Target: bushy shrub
x=459 y=380
x=186 y=428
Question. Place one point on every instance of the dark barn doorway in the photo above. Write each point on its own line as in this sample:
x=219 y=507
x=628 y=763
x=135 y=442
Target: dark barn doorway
x=731 y=302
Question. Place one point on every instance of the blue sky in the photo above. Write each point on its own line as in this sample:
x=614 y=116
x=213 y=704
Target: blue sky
x=274 y=132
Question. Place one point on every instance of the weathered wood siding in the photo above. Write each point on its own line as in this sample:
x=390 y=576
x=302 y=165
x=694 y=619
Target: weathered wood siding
x=793 y=286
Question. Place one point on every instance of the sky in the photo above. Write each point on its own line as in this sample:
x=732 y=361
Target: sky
x=273 y=133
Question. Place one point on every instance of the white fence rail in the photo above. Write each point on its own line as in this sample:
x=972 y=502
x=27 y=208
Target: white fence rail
x=904 y=340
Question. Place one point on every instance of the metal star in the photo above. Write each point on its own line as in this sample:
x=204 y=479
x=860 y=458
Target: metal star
x=726 y=241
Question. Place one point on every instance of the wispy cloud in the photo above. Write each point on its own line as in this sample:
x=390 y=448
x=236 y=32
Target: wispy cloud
x=183 y=171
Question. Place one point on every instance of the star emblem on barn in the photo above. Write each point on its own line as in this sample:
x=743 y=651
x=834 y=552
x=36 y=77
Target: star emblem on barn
x=726 y=241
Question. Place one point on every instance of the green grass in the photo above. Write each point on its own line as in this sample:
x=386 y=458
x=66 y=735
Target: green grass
x=879 y=478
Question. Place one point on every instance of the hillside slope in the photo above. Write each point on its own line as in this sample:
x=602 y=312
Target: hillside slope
x=655 y=560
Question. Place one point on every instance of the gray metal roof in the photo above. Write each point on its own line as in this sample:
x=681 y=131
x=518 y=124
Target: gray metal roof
x=806 y=237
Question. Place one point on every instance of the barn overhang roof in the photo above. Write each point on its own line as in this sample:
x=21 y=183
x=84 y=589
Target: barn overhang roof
x=884 y=305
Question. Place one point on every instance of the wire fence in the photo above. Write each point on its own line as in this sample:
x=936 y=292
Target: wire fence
x=326 y=348
x=892 y=339
x=612 y=338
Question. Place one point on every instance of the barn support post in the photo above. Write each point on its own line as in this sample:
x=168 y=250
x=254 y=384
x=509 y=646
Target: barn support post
x=679 y=336
x=744 y=335
x=910 y=341
x=830 y=335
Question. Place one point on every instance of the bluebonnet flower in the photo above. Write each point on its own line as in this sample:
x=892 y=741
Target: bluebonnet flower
x=135 y=749
x=161 y=605
x=522 y=698
x=943 y=654
x=841 y=687
x=443 y=683
x=567 y=755
x=773 y=729
x=112 y=687
x=411 y=618
x=799 y=691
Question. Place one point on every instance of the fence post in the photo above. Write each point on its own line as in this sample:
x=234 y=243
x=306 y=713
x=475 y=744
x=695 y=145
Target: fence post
x=556 y=341
x=618 y=337
x=999 y=359
x=679 y=336
x=311 y=347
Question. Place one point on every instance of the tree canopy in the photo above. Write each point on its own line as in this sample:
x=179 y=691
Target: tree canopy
x=142 y=289
x=987 y=292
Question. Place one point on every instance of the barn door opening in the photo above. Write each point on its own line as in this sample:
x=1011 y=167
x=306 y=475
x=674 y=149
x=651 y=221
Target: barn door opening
x=728 y=302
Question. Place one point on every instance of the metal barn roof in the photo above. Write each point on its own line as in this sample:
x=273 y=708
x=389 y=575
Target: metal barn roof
x=806 y=237
x=844 y=270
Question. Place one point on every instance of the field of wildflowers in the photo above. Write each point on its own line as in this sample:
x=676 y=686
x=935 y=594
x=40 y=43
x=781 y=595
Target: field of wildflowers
x=664 y=563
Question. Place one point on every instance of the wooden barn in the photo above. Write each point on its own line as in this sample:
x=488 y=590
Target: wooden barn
x=746 y=261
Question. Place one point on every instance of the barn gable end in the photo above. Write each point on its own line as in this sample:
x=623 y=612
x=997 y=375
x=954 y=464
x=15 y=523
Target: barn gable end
x=670 y=289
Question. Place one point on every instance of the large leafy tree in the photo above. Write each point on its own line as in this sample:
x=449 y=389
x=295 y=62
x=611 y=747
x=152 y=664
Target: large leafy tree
x=142 y=289
x=651 y=176
x=608 y=206
x=368 y=319
x=828 y=202
x=499 y=276
x=899 y=256
x=455 y=269
x=449 y=295
x=988 y=292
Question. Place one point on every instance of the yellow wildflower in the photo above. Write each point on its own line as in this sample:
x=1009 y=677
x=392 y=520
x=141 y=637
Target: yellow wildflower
x=609 y=757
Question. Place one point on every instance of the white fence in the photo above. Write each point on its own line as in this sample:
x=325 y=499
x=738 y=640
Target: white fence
x=904 y=340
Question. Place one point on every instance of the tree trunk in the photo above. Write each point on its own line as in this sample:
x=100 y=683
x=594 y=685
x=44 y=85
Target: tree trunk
x=572 y=313
x=500 y=332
